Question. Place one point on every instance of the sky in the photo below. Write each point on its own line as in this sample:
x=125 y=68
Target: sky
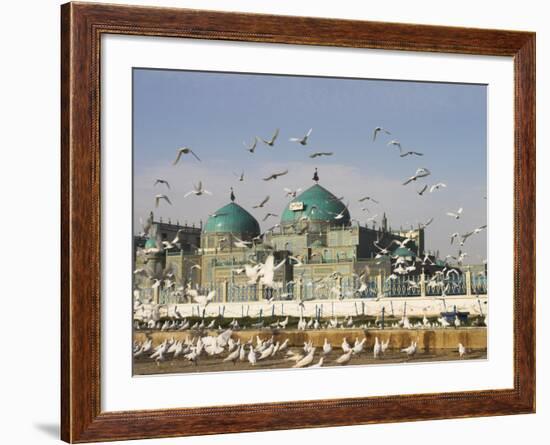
x=216 y=113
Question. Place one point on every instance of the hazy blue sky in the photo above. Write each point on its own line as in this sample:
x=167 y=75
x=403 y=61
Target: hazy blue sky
x=213 y=113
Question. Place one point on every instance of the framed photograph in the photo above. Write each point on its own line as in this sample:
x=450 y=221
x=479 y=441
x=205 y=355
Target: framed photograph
x=275 y=222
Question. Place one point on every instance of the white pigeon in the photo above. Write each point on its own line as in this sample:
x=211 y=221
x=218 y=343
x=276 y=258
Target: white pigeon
x=179 y=349
x=461 y=350
x=202 y=300
x=437 y=186
x=240 y=243
x=162 y=181
x=161 y=196
x=345 y=358
x=252 y=356
x=368 y=198
x=267 y=271
x=320 y=153
x=345 y=345
x=422 y=190
x=358 y=347
x=480 y=228
x=213 y=349
x=184 y=151
x=292 y=193
x=457 y=322
x=306 y=360
x=327 y=347
x=377 y=348
x=198 y=190
x=395 y=144
x=160 y=350
x=261 y=204
x=147 y=224
x=342 y=213
x=223 y=339
x=302 y=140
x=420 y=173
x=457 y=214
x=253 y=146
x=453 y=236
x=266 y=352
x=411 y=350
x=378 y=130
x=192 y=356
x=411 y=153
x=271 y=142
x=274 y=176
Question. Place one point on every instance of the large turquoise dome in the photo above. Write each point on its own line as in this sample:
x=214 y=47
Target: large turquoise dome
x=319 y=205
x=232 y=218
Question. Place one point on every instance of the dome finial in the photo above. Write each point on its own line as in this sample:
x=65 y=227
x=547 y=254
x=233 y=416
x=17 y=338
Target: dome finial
x=232 y=195
x=315 y=176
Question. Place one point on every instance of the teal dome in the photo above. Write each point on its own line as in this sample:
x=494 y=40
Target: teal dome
x=404 y=252
x=150 y=243
x=319 y=205
x=232 y=218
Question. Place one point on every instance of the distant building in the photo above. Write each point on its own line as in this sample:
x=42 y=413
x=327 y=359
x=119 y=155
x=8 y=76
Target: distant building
x=167 y=231
x=156 y=258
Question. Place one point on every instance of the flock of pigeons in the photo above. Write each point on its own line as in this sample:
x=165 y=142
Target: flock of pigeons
x=199 y=190
x=178 y=323
x=442 y=279
x=263 y=273
x=225 y=348
x=420 y=174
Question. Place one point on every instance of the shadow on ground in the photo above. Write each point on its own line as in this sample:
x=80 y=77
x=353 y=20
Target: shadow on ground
x=49 y=429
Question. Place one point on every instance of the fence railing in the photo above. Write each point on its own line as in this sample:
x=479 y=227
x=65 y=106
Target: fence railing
x=402 y=286
x=479 y=284
x=339 y=288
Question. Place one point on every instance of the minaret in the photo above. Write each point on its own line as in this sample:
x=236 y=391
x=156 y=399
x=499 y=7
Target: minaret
x=155 y=259
x=384 y=223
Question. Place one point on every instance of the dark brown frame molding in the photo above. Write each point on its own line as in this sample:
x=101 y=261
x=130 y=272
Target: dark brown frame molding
x=82 y=25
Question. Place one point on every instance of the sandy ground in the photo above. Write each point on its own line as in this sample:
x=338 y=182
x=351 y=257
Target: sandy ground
x=146 y=366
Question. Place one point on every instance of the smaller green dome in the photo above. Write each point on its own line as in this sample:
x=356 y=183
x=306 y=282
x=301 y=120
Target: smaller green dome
x=232 y=218
x=150 y=243
x=403 y=252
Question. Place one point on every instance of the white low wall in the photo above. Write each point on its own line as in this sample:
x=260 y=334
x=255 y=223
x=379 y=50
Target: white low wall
x=430 y=306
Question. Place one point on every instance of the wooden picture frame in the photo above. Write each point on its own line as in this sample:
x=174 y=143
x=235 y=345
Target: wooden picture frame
x=82 y=26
